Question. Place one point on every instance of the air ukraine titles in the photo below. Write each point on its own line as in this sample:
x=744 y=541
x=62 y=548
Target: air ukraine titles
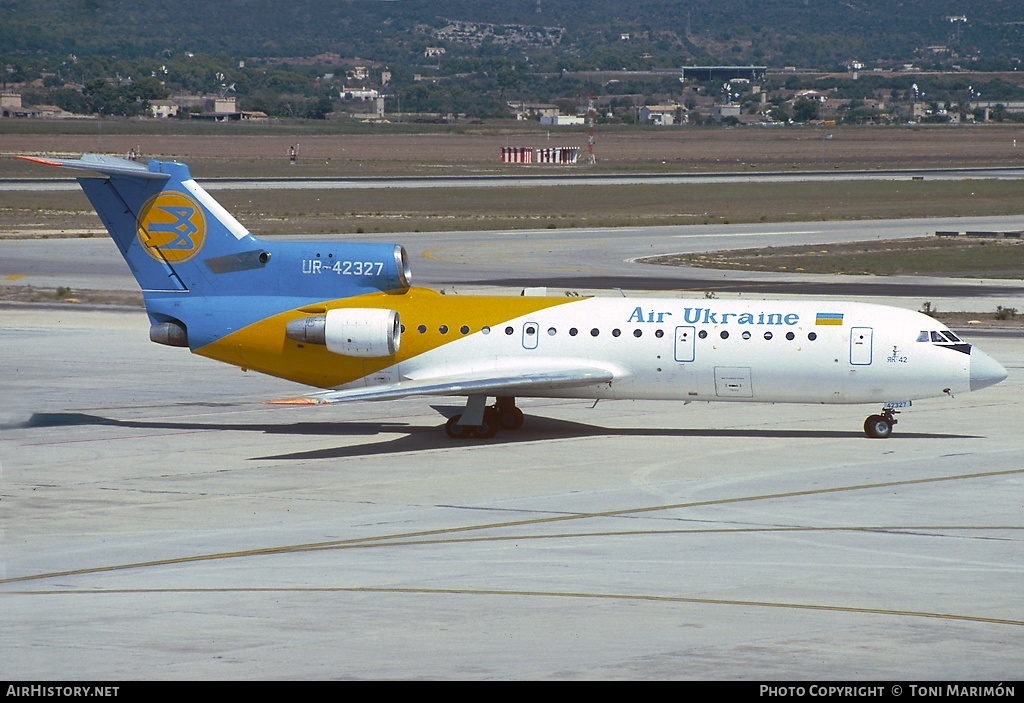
x=707 y=316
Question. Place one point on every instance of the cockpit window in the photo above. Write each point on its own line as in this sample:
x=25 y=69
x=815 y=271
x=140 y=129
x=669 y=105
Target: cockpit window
x=939 y=337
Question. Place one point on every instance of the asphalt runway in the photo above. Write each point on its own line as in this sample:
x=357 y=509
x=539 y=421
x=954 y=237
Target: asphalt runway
x=584 y=259
x=562 y=179
x=158 y=520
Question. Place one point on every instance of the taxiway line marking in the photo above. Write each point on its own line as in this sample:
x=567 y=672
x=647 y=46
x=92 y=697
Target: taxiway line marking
x=402 y=538
x=549 y=594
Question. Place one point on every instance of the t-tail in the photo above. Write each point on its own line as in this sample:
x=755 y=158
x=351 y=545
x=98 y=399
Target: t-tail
x=203 y=274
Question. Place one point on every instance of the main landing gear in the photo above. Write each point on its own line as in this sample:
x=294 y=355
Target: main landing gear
x=484 y=422
x=880 y=426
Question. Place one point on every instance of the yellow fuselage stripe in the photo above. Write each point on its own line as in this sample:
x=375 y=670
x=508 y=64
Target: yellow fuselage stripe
x=263 y=346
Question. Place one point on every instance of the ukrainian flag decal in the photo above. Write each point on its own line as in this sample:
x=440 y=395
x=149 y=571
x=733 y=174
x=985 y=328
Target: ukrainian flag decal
x=829 y=318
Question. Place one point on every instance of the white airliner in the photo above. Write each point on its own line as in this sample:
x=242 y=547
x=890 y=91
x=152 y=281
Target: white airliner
x=343 y=317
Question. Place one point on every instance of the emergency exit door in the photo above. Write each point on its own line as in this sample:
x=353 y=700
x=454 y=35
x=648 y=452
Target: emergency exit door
x=860 y=346
x=685 y=343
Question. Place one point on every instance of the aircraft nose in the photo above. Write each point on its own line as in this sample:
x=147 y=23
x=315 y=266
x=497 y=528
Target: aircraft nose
x=985 y=371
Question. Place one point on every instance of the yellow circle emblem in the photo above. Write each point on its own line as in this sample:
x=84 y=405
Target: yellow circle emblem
x=171 y=227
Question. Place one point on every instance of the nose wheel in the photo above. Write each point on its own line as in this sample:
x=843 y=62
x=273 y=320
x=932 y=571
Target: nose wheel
x=880 y=426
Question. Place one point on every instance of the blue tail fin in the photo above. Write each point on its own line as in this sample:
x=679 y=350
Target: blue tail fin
x=202 y=273
x=166 y=226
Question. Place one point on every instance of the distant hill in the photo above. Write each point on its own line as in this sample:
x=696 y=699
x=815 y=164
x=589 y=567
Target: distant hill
x=549 y=34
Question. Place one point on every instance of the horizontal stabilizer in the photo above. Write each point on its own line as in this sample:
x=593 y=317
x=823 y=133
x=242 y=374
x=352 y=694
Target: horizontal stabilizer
x=103 y=165
x=533 y=382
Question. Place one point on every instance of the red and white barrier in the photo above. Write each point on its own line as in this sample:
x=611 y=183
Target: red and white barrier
x=517 y=155
x=565 y=155
x=558 y=155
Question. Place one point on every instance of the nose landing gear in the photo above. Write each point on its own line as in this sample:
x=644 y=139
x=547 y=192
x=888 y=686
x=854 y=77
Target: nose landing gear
x=880 y=426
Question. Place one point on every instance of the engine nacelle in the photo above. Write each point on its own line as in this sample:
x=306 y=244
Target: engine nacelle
x=361 y=332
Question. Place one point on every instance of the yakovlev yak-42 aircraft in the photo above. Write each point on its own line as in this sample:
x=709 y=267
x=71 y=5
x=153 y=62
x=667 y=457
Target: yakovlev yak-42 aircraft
x=343 y=317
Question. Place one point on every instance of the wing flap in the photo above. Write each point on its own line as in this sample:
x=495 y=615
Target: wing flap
x=466 y=384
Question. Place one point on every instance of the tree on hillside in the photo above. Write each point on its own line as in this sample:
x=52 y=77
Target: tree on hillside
x=805 y=110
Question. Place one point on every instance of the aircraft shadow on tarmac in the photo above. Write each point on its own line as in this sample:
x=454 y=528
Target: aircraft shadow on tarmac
x=413 y=438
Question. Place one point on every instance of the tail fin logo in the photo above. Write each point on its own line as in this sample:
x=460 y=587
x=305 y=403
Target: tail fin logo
x=171 y=227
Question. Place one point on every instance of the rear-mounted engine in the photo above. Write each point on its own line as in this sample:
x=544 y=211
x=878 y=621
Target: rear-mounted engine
x=361 y=332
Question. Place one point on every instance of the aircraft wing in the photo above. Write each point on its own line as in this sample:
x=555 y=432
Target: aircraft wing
x=480 y=383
